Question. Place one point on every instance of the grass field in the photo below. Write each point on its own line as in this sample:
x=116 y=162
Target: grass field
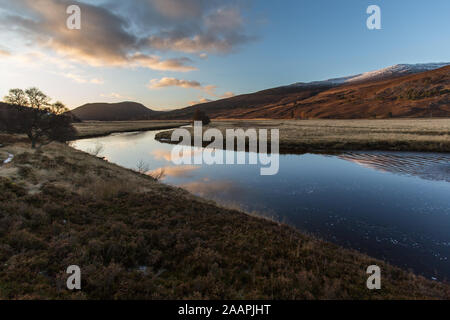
x=298 y=136
x=136 y=238
x=90 y=129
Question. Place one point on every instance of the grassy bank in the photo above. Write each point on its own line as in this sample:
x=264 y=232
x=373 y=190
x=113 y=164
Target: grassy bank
x=89 y=129
x=297 y=136
x=134 y=237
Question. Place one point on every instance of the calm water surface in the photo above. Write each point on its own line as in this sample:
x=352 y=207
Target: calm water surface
x=390 y=205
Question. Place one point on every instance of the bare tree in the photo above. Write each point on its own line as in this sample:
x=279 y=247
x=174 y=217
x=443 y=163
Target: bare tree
x=142 y=167
x=58 y=108
x=30 y=112
x=16 y=97
x=37 y=99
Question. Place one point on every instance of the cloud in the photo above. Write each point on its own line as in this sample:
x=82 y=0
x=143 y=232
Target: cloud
x=155 y=63
x=36 y=58
x=224 y=19
x=179 y=8
x=114 y=95
x=97 y=81
x=206 y=100
x=81 y=79
x=104 y=39
x=201 y=100
x=218 y=30
x=4 y=52
x=128 y=33
x=177 y=171
x=173 y=82
x=227 y=94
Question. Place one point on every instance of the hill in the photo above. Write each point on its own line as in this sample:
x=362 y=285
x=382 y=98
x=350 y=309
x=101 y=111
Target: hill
x=399 y=91
x=122 y=111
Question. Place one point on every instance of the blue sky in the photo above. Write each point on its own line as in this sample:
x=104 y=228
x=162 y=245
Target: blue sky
x=170 y=53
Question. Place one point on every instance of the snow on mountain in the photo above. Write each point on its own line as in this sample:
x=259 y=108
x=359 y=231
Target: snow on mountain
x=397 y=70
x=389 y=72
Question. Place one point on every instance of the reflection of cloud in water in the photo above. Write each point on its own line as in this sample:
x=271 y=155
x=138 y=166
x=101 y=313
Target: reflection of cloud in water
x=430 y=166
x=188 y=152
x=176 y=171
x=207 y=188
x=160 y=154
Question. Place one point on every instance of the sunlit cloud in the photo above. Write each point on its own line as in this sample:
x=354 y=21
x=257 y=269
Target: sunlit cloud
x=227 y=94
x=201 y=100
x=4 y=52
x=107 y=39
x=96 y=81
x=187 y=84
x=81 y=79
x=114 y=95
x=133 y=35
x=156 y=63
x=39 y=59
x=173 y=82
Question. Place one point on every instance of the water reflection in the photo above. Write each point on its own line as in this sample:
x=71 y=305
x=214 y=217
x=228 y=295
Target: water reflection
x=429 y=166
x=391 y=205
x=184 y=171
x=208 y=188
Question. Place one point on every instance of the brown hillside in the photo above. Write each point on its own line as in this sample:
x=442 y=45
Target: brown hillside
x=419 y=95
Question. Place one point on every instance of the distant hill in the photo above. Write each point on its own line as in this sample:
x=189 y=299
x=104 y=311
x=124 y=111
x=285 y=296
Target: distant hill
x=403 y=90
x=420 y=90
x=121 y=111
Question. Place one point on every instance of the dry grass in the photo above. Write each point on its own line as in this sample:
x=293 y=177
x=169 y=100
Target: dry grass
x=90 y=129
x=335 y=135
x=59 y=207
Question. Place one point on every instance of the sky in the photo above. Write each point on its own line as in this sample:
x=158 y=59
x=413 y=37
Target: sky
x=168 y=54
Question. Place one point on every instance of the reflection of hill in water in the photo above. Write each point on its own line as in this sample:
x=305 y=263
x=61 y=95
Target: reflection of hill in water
x=431 y=166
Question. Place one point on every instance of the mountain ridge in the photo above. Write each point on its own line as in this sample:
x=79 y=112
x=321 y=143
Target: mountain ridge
x=403 y=93
x=402 y=90
x=396 y=70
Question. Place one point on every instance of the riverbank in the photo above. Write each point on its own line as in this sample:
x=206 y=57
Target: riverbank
x=301 y=136
x=91 y=129
x=134 y=237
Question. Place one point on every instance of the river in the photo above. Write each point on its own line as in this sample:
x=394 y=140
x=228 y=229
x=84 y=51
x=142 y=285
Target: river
x=391 y=205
